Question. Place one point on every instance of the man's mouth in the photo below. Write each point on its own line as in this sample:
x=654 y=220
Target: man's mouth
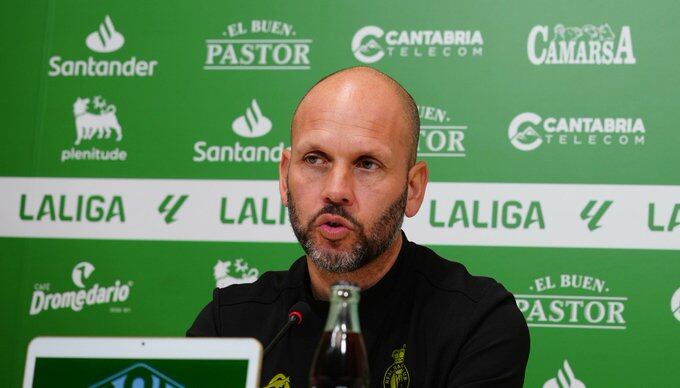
x=333 y=227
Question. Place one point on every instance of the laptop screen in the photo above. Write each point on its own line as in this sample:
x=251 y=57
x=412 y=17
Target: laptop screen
x=136 y=373
x=142 y=362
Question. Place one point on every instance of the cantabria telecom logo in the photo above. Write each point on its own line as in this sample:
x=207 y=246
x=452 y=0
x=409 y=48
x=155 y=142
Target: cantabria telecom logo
x=438 y=136
x=252 y=124
x=528 y=131
x=138 y=375
x=371 y=44
x=104 y=40
x=258 y=45
x=96 y=121
x=565 y=378
x=590 y=44
x=242 y=273
x=572 y=301
x=44 y=298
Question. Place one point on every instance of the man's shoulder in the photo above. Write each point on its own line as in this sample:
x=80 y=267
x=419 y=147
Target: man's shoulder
x=448 y=276
x=265 y=290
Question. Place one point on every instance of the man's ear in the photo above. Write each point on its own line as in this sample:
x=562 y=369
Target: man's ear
x=418 y=177
x=284 y=164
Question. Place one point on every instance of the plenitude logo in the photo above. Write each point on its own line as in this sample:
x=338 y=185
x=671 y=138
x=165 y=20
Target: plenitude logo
x=252 y=124
x=44 y=299
x=242 y=272
x=438 y=137
x=371 y=44
x=105 y=39
x=589 y=44
x=528 y=131
x=572 y=301
x=95 y=120
x=258 y=45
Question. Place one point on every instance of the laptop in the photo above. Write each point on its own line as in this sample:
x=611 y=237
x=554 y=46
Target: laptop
x=119 y=362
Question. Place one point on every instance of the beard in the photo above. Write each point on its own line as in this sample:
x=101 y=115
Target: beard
x=371 y=242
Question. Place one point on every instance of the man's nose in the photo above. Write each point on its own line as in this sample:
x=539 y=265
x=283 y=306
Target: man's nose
x=339 y=188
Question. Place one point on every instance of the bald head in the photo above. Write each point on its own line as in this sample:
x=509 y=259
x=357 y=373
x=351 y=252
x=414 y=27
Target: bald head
x=362 y=95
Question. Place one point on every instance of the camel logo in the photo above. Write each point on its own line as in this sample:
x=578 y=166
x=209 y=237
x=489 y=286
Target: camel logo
x=397 y=376
x=565 y=378
x=253 y=123
x=89 y=125
x=138 y=375
x=365 y=47
x=522 y=134
x=675 y=304
x=106 y=39
x=80 y=272
x=242 y=273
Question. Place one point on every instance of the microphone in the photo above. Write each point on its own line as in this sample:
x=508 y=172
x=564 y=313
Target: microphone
x=295 y=315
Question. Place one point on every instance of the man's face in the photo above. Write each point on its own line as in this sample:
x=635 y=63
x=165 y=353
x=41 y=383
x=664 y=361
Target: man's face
x=346 y=176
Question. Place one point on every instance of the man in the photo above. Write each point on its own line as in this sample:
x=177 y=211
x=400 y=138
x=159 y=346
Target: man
x=348 y=180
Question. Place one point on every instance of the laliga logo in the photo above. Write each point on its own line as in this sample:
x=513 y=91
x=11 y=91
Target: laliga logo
x=361 y=50
x=81 y=271
x=253 y=123
x=527 y=139
x=106 y=39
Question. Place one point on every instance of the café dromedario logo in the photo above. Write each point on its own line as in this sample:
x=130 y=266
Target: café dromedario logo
x=84 y=295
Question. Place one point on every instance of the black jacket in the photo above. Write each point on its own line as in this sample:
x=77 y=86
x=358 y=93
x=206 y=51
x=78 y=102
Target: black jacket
x=455 y=329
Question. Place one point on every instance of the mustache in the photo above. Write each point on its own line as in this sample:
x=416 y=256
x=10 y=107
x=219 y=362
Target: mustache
x=336 y=210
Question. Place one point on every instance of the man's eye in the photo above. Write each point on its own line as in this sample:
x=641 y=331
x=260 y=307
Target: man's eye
x=313 y=159
x=368 y=164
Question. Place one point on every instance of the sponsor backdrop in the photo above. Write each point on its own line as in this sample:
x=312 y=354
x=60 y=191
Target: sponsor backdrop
x=140 y=145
